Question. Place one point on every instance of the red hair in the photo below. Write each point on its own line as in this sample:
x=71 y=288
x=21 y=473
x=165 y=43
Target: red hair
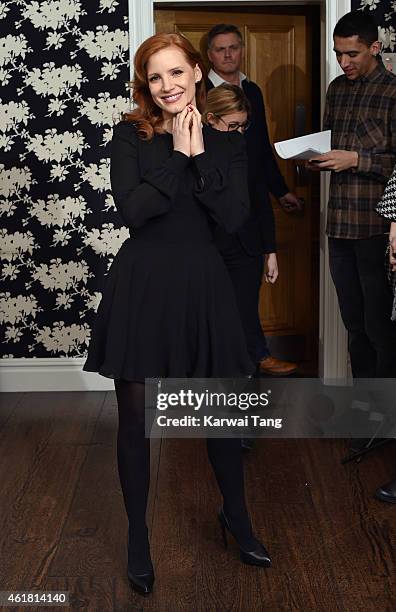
x=148 y=116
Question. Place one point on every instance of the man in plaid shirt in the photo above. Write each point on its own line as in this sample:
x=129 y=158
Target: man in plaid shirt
x=361 y=112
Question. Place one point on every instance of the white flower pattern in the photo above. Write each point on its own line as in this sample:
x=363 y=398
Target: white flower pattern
x=108 y=46
x=63 y=67
x=108 y=240
x=57 y=84
x=383 y=11
x=61 y=338
x=388 y=37
x=370 y=4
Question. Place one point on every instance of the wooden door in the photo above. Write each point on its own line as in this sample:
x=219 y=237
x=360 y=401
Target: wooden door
x=277 y=57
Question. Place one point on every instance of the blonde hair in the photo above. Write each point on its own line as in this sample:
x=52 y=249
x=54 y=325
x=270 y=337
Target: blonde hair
x=224 y=100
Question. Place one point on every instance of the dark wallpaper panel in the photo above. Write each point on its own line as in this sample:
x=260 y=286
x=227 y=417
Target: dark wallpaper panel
x=384 y=12
x=63 y=66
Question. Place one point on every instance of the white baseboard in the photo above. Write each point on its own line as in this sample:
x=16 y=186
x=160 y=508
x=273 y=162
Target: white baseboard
x=57 y=374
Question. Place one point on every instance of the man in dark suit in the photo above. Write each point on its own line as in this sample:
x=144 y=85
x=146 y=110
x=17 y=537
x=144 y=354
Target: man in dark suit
x=243 y=252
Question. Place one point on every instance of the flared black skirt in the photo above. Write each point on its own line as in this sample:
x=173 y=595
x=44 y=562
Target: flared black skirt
x=168 y=310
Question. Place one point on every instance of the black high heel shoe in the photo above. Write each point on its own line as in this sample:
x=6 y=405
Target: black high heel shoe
x=143 y=582
x=257 y=556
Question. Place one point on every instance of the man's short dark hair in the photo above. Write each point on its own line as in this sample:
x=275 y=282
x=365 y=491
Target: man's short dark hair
x=223 y=28
x=357 y=23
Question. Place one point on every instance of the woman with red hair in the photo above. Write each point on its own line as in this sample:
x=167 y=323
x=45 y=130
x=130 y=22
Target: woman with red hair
x=168 y=308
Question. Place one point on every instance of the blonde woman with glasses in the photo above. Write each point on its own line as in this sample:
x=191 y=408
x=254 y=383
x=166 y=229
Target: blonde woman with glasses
x=227 y=110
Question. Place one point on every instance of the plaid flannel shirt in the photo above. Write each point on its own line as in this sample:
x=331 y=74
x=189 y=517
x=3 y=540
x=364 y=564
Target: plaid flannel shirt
x=362 y=117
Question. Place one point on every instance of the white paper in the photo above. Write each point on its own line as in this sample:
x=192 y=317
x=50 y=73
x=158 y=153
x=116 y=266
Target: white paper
x=304 y=147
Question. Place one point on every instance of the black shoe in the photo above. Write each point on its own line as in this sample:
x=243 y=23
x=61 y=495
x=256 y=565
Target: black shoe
x=387 y=492
x=256 y=556
x=247 y=443
x=358 y=445
x=141 y=581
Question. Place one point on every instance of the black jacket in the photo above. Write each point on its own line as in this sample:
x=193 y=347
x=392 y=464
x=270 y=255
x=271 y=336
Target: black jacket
x=258 y=233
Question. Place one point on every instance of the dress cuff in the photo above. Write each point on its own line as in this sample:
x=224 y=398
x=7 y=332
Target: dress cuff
x=203 y=163
x=178 y=162
x=269 y=247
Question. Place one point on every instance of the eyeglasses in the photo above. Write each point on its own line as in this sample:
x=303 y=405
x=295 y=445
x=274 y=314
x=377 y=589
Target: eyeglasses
x=233 y=126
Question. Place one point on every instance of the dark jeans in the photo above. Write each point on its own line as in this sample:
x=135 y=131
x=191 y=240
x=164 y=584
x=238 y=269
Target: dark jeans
x=365 y=300
x=246 y=273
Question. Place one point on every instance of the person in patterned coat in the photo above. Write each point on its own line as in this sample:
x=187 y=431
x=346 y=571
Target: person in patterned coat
x=387 y=208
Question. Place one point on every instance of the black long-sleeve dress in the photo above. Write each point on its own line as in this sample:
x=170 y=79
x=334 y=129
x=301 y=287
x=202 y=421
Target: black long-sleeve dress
x=168 y=307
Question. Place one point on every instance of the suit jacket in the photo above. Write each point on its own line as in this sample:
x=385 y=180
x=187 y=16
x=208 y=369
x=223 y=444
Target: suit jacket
x=257 y=235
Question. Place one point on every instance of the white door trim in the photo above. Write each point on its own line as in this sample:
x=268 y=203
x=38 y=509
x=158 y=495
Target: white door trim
x=333 y=341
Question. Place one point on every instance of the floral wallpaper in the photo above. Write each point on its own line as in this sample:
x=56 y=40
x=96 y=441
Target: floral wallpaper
x=63 y=67
x=384 y=12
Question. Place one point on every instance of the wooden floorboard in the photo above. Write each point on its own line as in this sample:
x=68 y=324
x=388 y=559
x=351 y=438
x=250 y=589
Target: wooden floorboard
x=63 y=525
x=42 y=449
x=281 y=505
x=8 y=403
x=93 y=541
x=94 y=531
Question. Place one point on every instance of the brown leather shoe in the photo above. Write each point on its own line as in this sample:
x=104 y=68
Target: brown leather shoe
x=277 y=367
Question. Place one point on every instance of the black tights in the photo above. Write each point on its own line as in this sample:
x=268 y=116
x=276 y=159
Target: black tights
x=133 y=455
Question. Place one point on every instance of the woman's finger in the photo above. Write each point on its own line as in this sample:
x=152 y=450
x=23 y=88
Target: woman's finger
x=274 y=274
x=187 y=118
x=194 y=120
x=197 y=116
x=179 y=117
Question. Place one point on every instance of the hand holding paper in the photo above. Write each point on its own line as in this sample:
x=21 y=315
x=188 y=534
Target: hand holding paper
x=335 y=160
x=304 y=147
x=316 y=150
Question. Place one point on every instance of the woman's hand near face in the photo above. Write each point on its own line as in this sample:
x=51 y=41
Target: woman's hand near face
x=181 y=132
x=197 y=143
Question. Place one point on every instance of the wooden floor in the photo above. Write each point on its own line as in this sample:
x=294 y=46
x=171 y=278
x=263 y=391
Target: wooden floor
x=62 y=523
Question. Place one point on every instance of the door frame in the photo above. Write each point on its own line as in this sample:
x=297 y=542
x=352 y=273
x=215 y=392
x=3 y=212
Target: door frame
x=333 y=349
